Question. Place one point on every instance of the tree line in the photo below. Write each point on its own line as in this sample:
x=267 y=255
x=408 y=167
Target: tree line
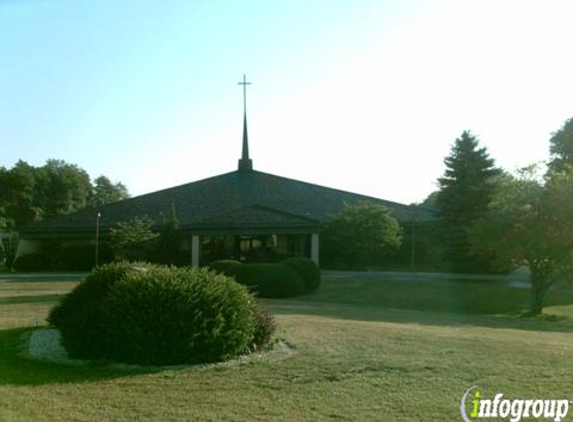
x=490 y=220
x=29 y=194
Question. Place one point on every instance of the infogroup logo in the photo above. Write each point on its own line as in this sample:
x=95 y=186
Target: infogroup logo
x=474 y=406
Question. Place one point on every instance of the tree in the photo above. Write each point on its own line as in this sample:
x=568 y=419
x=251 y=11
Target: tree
x=29 y=194
x=168 y=245
x=133 y=240
x=561 y=147
x=466 y=189
x=18 y=194
x=362 y=234
x=529 y=222
x=63 y=188
x=105 y=192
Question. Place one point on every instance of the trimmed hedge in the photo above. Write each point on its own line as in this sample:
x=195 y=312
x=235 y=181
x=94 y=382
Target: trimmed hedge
x=266 y=280
x=147 y=314
x=271 y=280
x=226 y=266
x=80 y=316
x=178 y=315
x=307 y=269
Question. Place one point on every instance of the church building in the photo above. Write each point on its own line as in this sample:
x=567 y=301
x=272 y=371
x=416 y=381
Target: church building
x=244 y=214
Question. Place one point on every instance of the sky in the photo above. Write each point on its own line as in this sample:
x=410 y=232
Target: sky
x=360 y=95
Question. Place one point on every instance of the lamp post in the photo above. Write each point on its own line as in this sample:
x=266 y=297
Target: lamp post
x=98 y=216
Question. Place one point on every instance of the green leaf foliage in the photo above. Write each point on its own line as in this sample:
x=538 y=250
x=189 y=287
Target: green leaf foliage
x=561 y=147
x=307 y=269
x=270 y=280
x=363 y=234
x=146 y=314
x=226 y=266
x=105 y=192
x=64 y=188
x=29 y=194
x=133 y=240
x=178 y=315
x=529 y=223
x=80 y=314
x=267 y=280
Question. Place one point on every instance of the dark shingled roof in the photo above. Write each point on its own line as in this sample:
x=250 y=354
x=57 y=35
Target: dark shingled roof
x=240 y=199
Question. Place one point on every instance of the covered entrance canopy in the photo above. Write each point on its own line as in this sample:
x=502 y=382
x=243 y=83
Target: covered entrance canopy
x=254 y=233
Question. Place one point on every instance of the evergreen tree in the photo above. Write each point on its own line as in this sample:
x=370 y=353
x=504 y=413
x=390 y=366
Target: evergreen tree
x=466 y=189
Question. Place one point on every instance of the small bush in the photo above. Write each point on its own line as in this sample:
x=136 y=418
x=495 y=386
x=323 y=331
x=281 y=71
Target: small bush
x=307 y=269
x=265 y=326
x=80 y=314
x=226 y=266
x=32 y=262
x=271 y=280
x=159 y=315
x=178 y=315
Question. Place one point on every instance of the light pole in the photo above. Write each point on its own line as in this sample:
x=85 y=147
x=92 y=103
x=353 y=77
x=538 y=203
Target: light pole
x=98 y=216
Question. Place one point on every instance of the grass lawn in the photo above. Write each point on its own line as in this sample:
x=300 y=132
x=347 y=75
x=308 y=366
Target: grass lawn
x=365 y=350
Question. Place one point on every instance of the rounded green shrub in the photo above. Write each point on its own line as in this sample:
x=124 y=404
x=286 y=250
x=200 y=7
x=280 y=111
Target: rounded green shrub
x=147 y=314
x=80 y=315
x=307 y=269
x=178 y=315
x=32 y=262
x=271 y=280
x=228 y=267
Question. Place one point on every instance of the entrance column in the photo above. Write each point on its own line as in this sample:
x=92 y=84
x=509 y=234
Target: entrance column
x=314 y=248
x=194 y=251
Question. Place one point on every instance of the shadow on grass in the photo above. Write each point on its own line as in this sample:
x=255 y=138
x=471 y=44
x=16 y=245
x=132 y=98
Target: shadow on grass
x=17 y=369
x=446 y=303
x=372 y=313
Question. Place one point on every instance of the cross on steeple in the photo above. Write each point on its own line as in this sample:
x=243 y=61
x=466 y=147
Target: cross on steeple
x=245 y=163
x=244 y=83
